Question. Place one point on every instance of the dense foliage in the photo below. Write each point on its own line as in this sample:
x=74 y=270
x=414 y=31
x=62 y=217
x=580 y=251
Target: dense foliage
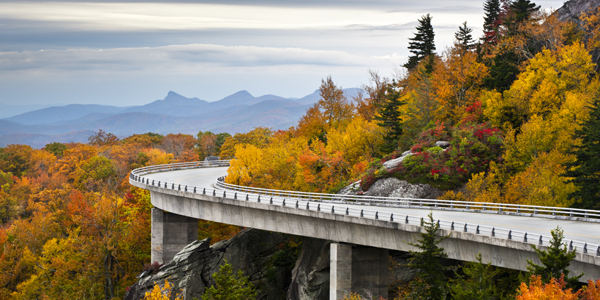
x=512 y=118
x=555 y=259
x=229 y=285
x=71 y=225
x=517 y=114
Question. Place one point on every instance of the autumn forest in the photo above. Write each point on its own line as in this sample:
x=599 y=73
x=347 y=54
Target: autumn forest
x=519 y=107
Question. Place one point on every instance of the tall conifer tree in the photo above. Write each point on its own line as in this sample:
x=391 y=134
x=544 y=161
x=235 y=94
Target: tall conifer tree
x=523 y=10
x=388 y=116
x=555 y=260
x=428 y=262
x=422 y=45
x=477 y=281
x=463 y=37
x=585 y=171
x=491 y=21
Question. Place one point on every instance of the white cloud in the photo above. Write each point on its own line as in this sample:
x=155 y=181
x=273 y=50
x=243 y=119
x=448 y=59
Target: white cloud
x=182 y=57
x=192 y=16
x=124 y=52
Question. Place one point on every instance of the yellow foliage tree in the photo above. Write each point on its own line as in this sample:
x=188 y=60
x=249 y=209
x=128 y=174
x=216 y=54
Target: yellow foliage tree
x=162 y=293
x=457 y=82
x=313 y=124
x=541 y=183
x=247 y=167
x=359 y=141
x=543 y=86
x=158 y=157
x=258 y=137
x=541 y=113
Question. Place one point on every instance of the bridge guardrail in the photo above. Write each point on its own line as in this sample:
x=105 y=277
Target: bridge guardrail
x=322 y=202
x=486 y=207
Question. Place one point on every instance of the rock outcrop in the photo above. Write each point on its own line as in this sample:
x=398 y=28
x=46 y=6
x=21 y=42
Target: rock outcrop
x=310 y=277
x=394 y=187
x=351 y=189
x=393 y=163
x=259 y=254
x=572 y=10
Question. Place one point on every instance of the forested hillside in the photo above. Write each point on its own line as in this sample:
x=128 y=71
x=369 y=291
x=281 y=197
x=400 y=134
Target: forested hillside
x=72 y=226
x=514 y=106
x=517 y=112
x=518 y=107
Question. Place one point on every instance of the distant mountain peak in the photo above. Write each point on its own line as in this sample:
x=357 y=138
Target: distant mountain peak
x=244 y=93
x=171 y=96
x=172 y=93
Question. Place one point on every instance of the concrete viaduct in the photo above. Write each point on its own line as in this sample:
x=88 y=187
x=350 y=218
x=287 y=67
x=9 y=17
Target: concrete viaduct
x=362 y=229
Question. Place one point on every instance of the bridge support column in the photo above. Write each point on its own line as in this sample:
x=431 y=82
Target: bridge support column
x=358 y=269
x=170 y=233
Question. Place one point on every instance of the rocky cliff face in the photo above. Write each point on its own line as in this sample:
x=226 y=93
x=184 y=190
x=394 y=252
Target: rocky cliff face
x=572 y=10
x=263 y=256
x=310 y=277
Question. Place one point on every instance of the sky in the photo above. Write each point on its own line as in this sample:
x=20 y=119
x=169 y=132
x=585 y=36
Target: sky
x=130 y=53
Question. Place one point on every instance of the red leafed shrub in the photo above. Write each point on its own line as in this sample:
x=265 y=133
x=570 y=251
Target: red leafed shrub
x=367 y=181
x=437 y=133
x=472 y=147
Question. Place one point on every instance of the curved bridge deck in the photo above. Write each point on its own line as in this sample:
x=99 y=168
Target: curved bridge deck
x=503 y=239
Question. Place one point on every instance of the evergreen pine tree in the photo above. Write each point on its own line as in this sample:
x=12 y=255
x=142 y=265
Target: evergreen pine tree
x=430 y=282
x=422 y=44
x=522 y=10
x=463 y=37
x=555 y=260
x=491 y=21
x=585 y=171
x=477 y=282
x=519 y=12
x=229 y=285
x=504 y=68
x=388 y=117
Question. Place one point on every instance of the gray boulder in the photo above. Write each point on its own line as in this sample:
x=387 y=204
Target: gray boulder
x=351 y=189
x=394 y=187
x=393 y=163
x=442 y=144
x=255 y=252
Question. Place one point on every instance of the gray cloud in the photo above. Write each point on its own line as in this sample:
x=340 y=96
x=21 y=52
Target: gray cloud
x=125 y=55
x=179 y=56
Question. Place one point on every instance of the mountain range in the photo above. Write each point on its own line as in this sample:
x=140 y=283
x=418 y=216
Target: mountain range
x=239 y=112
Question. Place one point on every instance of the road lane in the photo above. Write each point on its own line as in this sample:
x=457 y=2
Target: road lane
x=582 y=231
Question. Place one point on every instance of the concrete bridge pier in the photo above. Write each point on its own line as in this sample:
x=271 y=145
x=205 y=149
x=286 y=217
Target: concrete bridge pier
x=358 y=269
x=170 y=233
